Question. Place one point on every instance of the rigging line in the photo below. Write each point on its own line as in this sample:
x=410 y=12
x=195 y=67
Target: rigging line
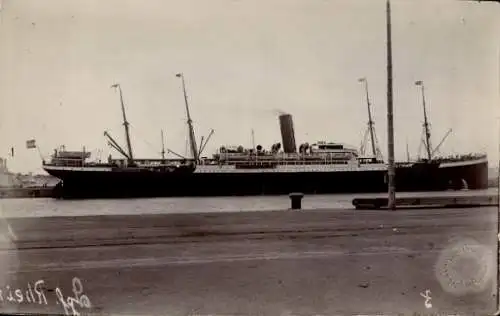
x=187 y=143
x=115 y=131
x=153 y=147
x=115 y=128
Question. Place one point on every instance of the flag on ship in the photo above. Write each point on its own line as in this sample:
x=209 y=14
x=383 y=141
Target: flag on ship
x=418 y=83
x=30 y=144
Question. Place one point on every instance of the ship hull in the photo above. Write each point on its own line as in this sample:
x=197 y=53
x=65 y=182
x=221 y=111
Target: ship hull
x=417 y=177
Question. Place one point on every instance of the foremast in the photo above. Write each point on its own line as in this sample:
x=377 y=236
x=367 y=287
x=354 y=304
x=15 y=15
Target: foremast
x=125 y=124
x=192 y=138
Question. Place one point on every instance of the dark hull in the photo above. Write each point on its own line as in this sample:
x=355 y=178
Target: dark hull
x=423 y=177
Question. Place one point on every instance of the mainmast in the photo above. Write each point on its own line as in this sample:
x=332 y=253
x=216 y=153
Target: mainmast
x=427 y=131
x=125 y=123
x=192 y=139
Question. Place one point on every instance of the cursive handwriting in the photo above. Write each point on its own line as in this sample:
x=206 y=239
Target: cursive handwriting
x=70 y=304
x=428 y=298
x=35 y=294
x=32 y=294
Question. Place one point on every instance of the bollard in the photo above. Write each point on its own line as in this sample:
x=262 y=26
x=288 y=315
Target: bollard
x=296 y=200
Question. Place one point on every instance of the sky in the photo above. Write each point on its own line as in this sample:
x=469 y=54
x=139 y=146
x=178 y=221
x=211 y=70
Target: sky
x=244 y=62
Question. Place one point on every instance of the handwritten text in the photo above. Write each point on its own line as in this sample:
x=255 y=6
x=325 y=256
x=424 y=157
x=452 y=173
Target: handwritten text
x=35 y=294
x=80 y=299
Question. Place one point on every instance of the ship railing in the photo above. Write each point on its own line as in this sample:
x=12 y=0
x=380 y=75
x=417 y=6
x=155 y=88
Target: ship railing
x=160 y=161
x=66 y=162
x=459 y=158
x=281 y=162
x=149 y=162
x=71 y=154
x=284 y=155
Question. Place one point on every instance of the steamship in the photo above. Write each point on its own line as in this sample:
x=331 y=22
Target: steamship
x=318 y=168
x=321 y=167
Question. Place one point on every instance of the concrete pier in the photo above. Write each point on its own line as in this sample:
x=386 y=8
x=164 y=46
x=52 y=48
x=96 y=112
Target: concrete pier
x=326 y=262
x=34 y=192
x=448 y=201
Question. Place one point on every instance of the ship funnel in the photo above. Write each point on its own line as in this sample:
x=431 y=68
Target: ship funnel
x=287 y=133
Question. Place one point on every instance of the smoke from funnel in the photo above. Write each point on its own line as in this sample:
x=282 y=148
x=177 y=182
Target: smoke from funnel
x=279 y=112
x=287 y=133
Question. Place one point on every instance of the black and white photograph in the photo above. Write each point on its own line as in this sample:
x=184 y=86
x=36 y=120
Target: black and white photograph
x=249 y=157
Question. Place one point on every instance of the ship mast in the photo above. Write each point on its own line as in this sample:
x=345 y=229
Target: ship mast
x=371 y=127
x=125 y=123
x=162 y=146
x=407 y=151
x=427 y=131
x=192 y=139
x=253 y=140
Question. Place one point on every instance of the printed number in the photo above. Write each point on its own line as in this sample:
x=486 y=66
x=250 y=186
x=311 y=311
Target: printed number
x=428 y=298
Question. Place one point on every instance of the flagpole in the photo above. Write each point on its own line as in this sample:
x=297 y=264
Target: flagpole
x=390 y=124
x=40 y=153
